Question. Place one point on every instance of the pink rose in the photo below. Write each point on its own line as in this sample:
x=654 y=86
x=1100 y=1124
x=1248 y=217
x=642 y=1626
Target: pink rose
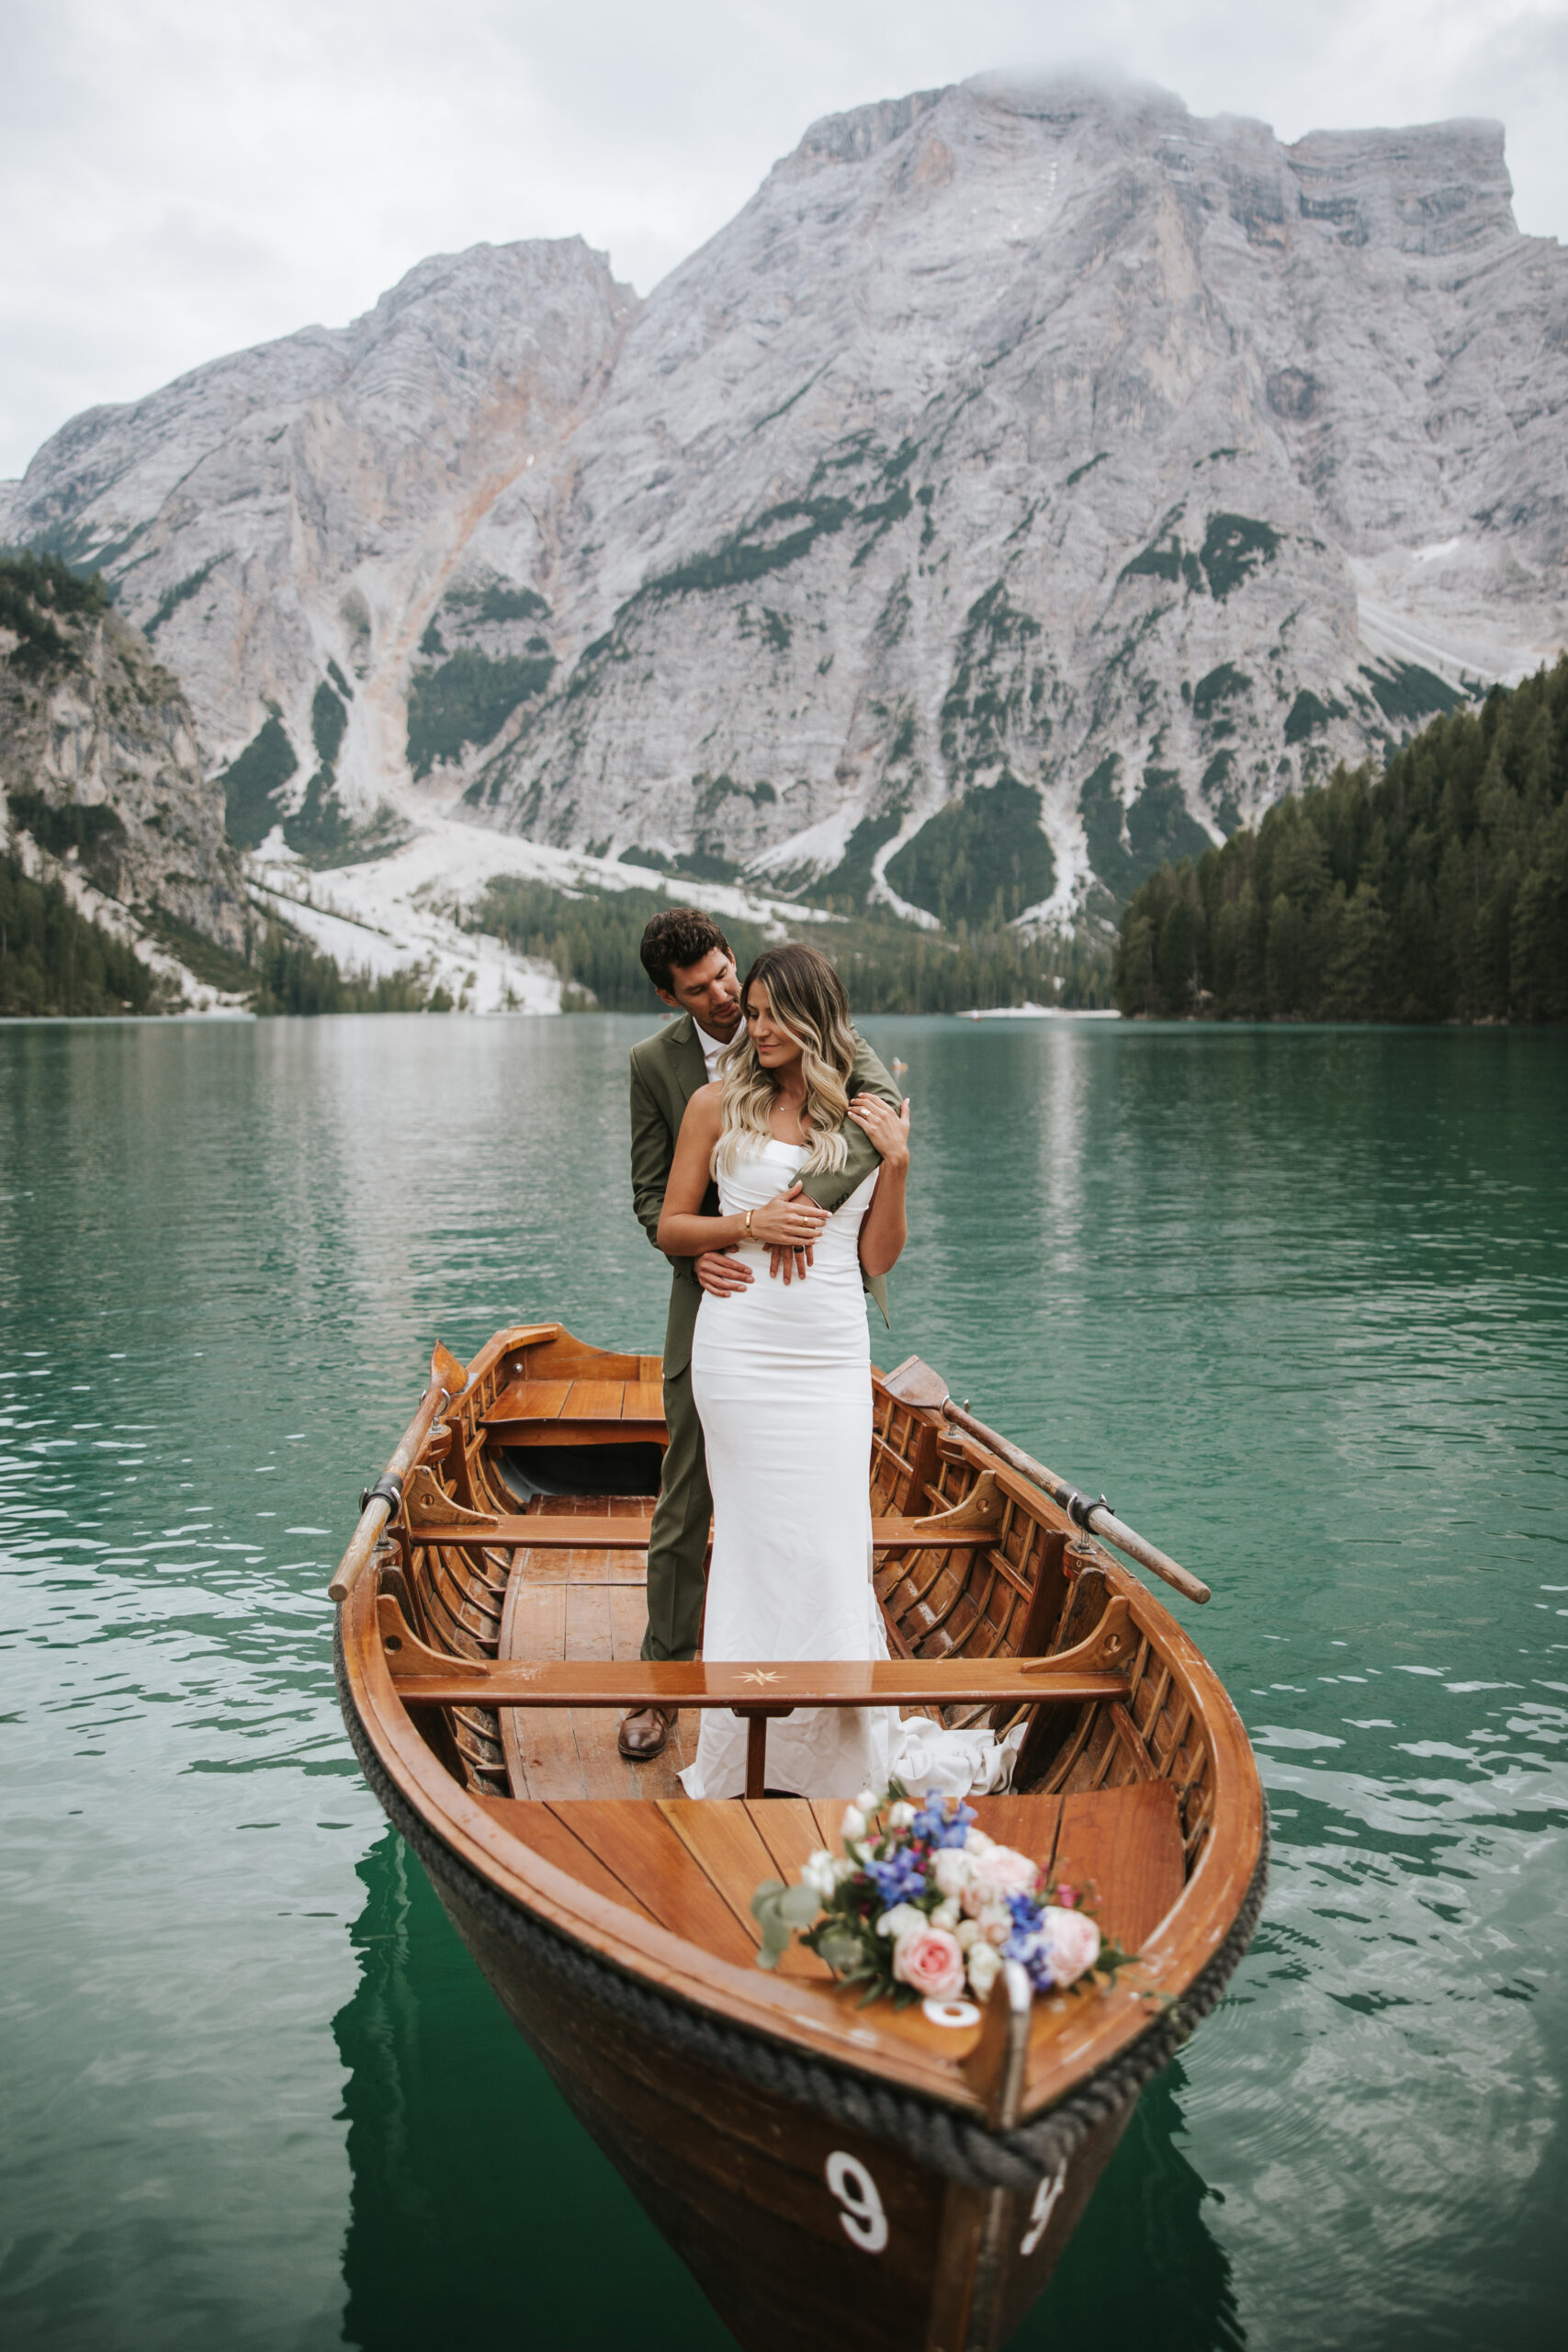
x=998 y=1874
x=1071 y=1941
x=930 y=1960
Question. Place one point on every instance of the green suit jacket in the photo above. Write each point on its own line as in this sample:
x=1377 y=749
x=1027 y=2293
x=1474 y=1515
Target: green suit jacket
x=667 y=1069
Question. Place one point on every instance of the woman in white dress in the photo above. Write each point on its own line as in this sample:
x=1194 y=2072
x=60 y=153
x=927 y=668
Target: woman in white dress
x=781 y=1372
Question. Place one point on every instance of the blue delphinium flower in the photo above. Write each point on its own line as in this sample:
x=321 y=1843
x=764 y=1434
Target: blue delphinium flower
x=935 y=1825
x=1028 y=1942
x=1034 y=1954
x=900 y=1879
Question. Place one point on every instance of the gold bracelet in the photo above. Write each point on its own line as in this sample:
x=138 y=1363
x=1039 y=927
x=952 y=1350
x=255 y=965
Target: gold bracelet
x=746 y=1236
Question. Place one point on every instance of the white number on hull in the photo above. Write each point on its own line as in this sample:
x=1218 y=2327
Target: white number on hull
x=864 y=2223
x=1045 y=2205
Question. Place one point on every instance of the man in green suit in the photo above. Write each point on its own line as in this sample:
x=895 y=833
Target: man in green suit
x=688 y=960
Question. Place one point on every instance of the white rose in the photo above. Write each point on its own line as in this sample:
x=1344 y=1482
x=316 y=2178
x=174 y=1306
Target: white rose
x=901 y=1815
x=976 y=1842
x=995 y=1922
x=997 y=1874
x=868 y=1801
x=951 y=1869
x=965 y=1932
x=853 y=1824
x=982 y=1962
x=901 y=1920
x=820 y=1873
x=946 y=1915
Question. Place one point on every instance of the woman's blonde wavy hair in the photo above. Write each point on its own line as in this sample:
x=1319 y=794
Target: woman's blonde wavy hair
x=808 y=1000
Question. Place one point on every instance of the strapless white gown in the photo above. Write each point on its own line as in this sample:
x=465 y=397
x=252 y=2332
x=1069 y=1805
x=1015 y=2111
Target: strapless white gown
x=781 y=1380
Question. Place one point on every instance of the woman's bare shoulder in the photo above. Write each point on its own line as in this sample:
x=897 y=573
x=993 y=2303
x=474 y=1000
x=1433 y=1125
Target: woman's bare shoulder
x=705 y=1107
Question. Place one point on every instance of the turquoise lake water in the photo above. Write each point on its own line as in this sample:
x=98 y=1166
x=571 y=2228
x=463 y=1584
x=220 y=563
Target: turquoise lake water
x=1294 y=1298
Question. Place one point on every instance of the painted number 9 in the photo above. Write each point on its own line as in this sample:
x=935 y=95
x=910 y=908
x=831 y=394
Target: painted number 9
x=864 y=2223
x=1039 y=2212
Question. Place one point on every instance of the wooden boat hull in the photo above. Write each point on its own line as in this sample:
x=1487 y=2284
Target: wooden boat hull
x=828 y=2176
x=737 y=2182
x=737 y=2174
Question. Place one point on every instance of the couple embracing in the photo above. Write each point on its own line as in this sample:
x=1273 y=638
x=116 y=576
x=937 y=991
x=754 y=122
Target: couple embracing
x=770 y=1153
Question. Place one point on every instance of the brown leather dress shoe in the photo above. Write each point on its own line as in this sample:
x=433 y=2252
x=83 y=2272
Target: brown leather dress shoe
x=642 y=1735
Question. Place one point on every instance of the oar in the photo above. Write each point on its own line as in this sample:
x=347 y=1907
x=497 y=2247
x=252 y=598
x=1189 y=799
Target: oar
x=447 y=1380
x=915 y=1383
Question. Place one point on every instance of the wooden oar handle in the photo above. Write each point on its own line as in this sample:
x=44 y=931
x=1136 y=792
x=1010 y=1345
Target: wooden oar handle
x=362 y=1542
x=446 y=1380
x=1102 y=1520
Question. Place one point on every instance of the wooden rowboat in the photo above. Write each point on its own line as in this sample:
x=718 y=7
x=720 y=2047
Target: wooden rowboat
x=864 y=2177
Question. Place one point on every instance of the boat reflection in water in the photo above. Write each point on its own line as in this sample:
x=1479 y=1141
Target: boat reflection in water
x=478 y=2202
x=480 y=2210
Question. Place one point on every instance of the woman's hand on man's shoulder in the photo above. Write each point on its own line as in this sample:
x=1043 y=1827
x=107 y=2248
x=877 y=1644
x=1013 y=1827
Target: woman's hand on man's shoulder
x=888 y=1128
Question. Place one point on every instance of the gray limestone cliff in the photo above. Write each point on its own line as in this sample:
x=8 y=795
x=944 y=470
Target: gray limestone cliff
x=100 y=779
x=1027 y=484
x=330 y=538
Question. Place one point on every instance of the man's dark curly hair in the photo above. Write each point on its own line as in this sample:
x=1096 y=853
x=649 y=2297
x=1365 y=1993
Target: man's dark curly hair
x=679 y=936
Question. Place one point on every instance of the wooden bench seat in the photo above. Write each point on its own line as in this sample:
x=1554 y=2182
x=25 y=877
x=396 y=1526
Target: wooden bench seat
x=757 y=1691
x=574 y=1412
x=425 y=1679
x=545 y=1531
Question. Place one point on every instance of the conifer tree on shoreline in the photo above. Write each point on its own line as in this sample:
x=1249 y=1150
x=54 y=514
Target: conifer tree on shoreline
x=1438 y=892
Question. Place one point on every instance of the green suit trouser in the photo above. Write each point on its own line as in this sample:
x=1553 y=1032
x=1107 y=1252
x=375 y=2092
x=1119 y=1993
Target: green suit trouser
x=677 y=1542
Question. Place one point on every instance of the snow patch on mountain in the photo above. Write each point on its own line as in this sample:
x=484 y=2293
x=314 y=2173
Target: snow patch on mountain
x=413 y=909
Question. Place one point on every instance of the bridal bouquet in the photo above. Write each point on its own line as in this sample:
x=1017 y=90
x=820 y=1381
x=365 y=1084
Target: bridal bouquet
x=922 y=1905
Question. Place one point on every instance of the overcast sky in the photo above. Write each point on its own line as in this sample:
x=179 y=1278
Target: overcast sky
x=182 y=178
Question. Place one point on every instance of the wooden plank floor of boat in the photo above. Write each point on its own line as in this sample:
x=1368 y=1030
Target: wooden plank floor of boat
x=582 y=1604
x=628 y=1832
x=693 y=1866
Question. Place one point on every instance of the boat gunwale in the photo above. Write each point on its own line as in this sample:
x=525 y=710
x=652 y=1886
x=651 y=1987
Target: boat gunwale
x=816 y=2020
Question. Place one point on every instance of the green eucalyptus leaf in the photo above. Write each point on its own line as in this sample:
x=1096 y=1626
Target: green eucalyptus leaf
x=767 y=1908
x=774 y=1943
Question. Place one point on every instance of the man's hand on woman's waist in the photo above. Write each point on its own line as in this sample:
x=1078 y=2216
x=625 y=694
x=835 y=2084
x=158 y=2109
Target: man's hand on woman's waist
x=719 y=1272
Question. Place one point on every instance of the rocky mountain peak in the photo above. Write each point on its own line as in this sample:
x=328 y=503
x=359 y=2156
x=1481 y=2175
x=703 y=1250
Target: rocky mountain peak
x=1439 y=189
x=851 y=138
x=284 y=523
x=1032 y=480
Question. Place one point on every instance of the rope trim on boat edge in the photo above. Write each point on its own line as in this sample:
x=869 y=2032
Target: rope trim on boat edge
x=934 y=2136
